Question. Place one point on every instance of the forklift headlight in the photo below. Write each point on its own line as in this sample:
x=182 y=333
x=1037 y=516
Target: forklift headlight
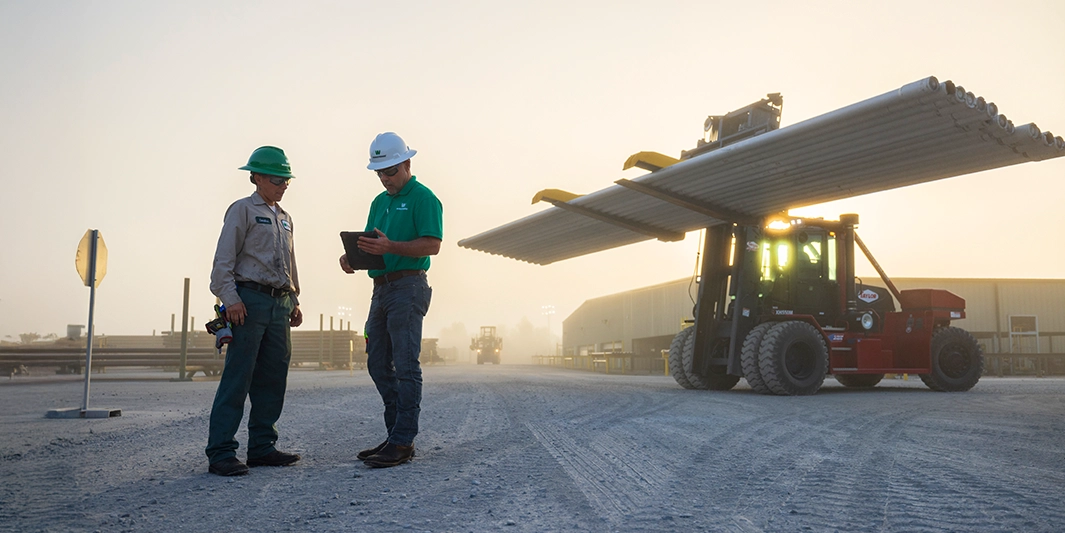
x=868 y=321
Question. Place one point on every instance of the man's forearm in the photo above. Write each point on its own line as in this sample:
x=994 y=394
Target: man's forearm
x=420 y=247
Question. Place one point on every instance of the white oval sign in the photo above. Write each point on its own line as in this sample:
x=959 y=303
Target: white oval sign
x=868 y=296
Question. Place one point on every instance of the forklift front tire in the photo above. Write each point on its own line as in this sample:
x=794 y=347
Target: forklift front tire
x=793 y=359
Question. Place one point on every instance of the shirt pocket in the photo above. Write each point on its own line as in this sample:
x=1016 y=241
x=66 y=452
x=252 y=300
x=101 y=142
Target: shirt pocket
x=261 y=231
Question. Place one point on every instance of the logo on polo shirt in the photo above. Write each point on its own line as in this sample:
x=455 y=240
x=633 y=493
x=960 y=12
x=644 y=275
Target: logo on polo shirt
x=286 y=225
x=402 y=207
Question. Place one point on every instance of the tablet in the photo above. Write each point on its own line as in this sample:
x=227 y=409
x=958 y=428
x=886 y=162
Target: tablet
x=358 y=259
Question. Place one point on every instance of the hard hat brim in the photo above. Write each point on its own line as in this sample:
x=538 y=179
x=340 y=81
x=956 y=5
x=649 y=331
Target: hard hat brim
x=392 y=161
x=265 y=172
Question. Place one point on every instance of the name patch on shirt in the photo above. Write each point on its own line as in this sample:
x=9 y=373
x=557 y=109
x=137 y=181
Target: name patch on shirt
x=263 y=220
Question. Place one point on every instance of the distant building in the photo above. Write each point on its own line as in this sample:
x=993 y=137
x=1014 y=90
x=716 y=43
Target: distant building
x=1005 y=315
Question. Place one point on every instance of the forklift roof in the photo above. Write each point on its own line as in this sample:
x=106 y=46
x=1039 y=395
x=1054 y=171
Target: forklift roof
x=921 y=132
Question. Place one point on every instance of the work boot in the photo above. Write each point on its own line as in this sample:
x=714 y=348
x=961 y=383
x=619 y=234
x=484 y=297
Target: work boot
x=390 y=455
x=365 y=454
x=274 y=458
x=230 y=466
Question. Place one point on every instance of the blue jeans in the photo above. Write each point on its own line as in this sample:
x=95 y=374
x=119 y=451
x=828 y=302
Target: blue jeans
x=394 y=330
x=256 y=365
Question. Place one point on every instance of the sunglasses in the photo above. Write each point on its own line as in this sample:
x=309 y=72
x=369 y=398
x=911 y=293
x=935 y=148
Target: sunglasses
x=278 y=180
x=390 y=171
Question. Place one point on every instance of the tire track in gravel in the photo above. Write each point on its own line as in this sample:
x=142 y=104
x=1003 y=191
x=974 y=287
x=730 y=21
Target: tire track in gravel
x=528 y=407
x=22 y=503
x=975 y=490
x=495 y=474
x=615 y=484
x=595 y=447
x=857 y=460
x=80 y=474
x=765 y=453
x=485 y=413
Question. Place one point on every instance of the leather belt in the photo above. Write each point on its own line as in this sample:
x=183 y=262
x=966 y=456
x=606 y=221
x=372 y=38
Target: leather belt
x=393 y=276
x=276 y=293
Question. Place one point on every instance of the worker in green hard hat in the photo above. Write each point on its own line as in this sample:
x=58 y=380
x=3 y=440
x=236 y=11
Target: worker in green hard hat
x=255 y=277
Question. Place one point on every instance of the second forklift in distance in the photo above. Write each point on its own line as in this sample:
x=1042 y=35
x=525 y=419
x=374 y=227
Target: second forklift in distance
x=487 y=346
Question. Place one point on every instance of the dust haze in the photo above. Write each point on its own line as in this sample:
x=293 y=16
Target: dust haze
x=132 y=118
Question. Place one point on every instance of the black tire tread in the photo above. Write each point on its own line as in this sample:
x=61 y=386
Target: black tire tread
x=676 y=357
x=688 y=360
x=771 y=361
x=937 y=380
x=749 y=358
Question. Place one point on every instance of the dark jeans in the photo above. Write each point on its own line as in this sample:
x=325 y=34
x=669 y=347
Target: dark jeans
x=394 y=329
x=256 y=366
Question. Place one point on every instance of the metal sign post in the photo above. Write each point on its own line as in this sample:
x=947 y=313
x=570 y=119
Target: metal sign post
x=91 y=263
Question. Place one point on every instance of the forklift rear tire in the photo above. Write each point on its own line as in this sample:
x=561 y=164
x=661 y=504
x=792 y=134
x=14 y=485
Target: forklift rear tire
x=793 y=359
x=717 y=379
x=676 y=357
x=957 y=361
x=749 y=358
x=859 y=381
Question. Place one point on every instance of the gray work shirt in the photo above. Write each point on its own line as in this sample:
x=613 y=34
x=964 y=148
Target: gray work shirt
x=255 y=245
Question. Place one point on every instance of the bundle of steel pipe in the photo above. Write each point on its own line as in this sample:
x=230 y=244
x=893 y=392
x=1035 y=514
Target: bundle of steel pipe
x=921 y=132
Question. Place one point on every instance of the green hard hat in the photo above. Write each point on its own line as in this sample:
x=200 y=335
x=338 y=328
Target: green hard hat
x=269 y=160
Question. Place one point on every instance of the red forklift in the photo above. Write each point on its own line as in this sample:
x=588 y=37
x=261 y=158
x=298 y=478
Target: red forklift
x=780 y=306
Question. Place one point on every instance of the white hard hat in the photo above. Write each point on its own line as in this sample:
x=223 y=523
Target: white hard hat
x=387 y=150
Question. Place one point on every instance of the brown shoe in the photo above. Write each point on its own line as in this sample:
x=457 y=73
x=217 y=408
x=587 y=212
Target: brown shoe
x=365 y=454
x=274 y=458
x=230 y=466
x=390 y=455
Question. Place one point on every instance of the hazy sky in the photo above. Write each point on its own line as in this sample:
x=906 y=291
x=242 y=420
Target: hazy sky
x=132 y=117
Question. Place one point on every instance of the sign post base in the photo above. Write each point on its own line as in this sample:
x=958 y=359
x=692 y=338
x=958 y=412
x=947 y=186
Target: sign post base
x=77 y=412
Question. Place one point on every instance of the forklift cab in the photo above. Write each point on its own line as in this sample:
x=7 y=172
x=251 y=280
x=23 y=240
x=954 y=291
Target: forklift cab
x=798 y=273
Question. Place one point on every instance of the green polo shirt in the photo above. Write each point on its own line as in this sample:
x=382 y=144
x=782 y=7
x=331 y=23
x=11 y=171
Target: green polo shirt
x=412 y=213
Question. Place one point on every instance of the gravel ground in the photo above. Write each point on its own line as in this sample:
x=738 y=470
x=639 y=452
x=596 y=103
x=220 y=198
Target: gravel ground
x=524 y=448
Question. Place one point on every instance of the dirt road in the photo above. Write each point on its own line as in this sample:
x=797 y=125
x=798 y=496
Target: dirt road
x=525 y=448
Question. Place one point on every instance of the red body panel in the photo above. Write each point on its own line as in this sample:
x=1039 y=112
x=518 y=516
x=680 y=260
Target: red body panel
x=932 y=299
x=904 y=344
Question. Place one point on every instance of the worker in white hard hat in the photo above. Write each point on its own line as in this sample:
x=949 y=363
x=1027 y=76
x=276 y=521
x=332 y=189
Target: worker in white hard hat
x=408 y=220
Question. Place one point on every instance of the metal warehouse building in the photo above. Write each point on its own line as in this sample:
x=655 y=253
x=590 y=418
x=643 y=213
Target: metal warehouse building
x=1007 y=316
